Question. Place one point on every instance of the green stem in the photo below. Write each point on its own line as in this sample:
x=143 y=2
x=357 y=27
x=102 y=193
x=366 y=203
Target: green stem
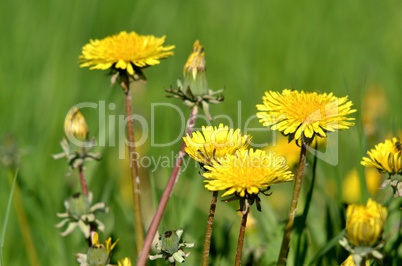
x=153 y=228
x=240 y=241
x=293 y=207
x=135 y=178
x=208 y=232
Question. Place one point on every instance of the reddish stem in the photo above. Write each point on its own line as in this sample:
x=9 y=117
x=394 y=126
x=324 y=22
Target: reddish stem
x=84 y=187
x=166 y=194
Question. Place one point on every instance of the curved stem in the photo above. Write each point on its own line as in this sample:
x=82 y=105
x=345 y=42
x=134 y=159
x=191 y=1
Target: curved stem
x=166 y=194
x=293 y=207
x=135 y=178
x=208 y=232
x=242 y=231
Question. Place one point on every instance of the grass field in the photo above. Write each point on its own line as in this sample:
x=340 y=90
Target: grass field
x=346 y=47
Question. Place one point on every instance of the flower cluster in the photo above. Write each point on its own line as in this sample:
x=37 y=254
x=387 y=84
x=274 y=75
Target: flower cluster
x=231 y=167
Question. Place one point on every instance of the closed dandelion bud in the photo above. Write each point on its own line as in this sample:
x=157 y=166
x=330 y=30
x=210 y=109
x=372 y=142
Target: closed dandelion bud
x=170 y=241
x=194 y=71
x=79 y=204
x=98 y=254
x=170 y=247
x=75 y=125
x=365 y=224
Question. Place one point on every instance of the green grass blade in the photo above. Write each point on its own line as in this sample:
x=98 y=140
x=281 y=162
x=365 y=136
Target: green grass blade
x=3 y=231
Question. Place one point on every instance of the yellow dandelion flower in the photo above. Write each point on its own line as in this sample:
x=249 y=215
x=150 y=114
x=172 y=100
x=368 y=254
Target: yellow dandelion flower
x=386 y=157
x=290 y=150
x=75 y=125
x=303 y=115
x=246 y=172
x=125 y=51
x=125 y=262
x=350 y=262
x=212 y=142
x=365 y=224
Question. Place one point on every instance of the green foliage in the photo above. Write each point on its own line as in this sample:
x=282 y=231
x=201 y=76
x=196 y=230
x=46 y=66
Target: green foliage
x=345 y=47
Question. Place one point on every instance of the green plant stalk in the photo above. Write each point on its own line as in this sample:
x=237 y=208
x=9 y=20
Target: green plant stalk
x=3 y=232
x=293 y=207
x=135 y=178
x=166 y=193
x=208 y=232
x=240 y=240
x=24 y=225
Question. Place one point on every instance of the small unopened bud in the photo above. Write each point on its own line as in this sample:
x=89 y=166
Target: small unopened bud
x=75 y=125
x=194 y=71
x=365 y=224
x=79 y=204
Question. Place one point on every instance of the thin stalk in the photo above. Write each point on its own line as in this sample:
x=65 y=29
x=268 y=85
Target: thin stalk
x=135 y=178
x=208 y=232
x=29 y=244
x=240 y=241
x=293 y=207
x=166 y=194
x=83 y=182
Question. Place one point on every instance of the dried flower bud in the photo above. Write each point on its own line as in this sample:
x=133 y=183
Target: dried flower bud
x=194 y=71
x=75 y=125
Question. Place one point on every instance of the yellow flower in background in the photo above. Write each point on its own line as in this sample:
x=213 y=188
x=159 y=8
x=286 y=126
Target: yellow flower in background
x=125 y=262
x=374 y=108
x=303 y=115
x=289 y=150
x=214 y=142
x=246 y=172
x=126 y=51
x=365 y=224
x=75 y=125
x=386 y=157
x=351 y=187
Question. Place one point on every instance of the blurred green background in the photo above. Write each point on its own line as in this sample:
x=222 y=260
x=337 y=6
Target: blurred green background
x=344 y=47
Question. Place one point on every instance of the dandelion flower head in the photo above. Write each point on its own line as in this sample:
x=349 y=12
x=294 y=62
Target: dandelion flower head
x=303 y=115
x=246 y=172
x=125 y=51
x=214 y=142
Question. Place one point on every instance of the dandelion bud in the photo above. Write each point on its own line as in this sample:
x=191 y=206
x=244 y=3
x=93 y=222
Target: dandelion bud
x=75 y=125
x=194 y=71
x=365 y=224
